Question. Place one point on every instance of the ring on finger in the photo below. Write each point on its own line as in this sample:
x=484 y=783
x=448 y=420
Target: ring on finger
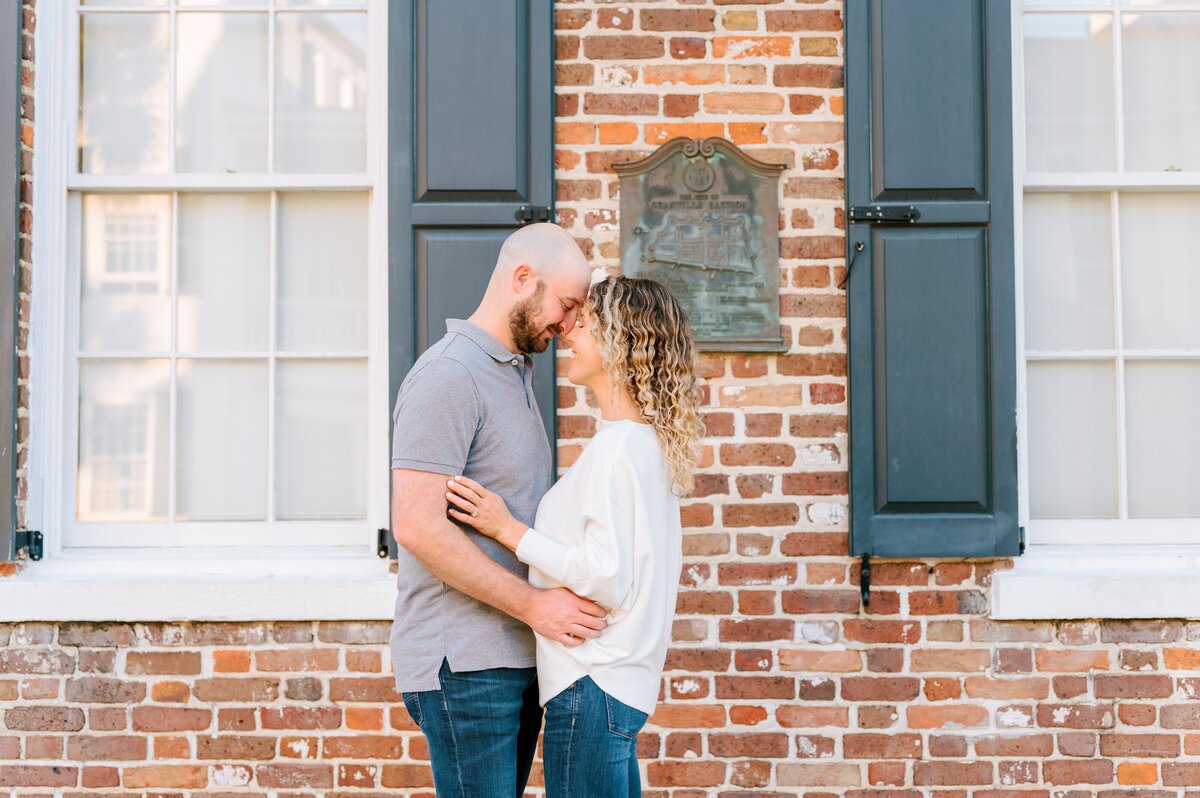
x=474 y=513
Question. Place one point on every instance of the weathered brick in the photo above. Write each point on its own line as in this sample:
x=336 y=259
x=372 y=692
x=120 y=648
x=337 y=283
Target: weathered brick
x=178 y=776
x=44 y=719
x=159 y=719
x=106 y=747
x=235 y=747
x=98 y=690
x=1079 y=772
x=236 y=690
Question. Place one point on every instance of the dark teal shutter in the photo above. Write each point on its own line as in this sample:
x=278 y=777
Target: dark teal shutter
x=10 y=177
x=470 y=144
x=930 y=302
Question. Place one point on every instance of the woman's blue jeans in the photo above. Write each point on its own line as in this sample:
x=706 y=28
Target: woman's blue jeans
x=589 y=744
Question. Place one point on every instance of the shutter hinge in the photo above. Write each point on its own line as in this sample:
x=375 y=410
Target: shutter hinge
x=1020 y=540
x=864 y=579
x=533 y=213
x=381 y=544
x=876 y=214
x=30 y=540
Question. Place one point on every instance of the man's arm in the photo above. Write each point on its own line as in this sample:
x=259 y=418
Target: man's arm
x=420 y=525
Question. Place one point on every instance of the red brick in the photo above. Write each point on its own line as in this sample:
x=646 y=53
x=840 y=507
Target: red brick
x=804 y=20
x=946 y=716
x=235 y=747
x=682 y=47
x=663 y=19
x=1024 y=745
x=162 y=662
x=362 y=746
x=813 y=602
x=571 y=19
x=44 y=718
x=236 y=690
x=35 y=776
x=106 y=747
x=762 y=515
x=752 y=46
x=750 y=574
x=292 y=776
x=301 y=718
x=675 y=716
x=100 y=777
x=883 y=746
x=158 y=719
x=879 y=631
x=620 y=105
x=177 y=776
x=1129 y=686
x=752 y=631
x=937 y=774
x=599 y=48
x=1077 y=772
x=1174 y=774
x=686 y=774
x=1180 y=716
x=791 y=716
x=615 y=18
x=1076 y=716
x=867 y=688
x=1071 y=660
x=727 y=102
x=1011 y=689
x=764 y=454
x=813 y=75
x=748 y=745
x=742 y=687
x=950 y=660
x=1155 y=746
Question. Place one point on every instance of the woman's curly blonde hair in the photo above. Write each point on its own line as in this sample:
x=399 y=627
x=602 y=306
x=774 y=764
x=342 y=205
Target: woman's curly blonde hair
x=646 y=345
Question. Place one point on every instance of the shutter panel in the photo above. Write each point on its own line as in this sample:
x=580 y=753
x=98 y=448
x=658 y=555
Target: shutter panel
x=470 y=142
x=10 y=176
x=930 y=302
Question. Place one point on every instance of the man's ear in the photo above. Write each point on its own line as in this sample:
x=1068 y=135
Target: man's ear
x=523 y=277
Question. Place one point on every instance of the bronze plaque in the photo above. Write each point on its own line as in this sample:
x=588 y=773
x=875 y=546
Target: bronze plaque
x=702 y=217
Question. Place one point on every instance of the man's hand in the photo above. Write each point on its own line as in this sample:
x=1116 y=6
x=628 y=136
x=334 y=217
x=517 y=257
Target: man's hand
x=560 y=615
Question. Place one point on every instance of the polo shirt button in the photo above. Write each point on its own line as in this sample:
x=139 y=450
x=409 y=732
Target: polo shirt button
x=514 y=361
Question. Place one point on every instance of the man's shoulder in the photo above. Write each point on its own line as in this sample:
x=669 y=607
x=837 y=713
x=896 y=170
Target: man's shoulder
x=447 y=360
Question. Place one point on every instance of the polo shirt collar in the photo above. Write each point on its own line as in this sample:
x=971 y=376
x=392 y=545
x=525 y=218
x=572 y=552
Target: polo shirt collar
x=484 y=340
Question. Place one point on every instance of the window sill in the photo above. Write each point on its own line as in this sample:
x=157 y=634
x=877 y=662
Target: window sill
x=1073 y=582
x=333 y=588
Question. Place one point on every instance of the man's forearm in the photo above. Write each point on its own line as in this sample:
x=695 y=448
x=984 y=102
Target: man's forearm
x=451 y=556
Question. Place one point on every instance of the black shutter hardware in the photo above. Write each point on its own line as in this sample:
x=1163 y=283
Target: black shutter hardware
x=30 y=540
x=532 y=213
x=381 y=544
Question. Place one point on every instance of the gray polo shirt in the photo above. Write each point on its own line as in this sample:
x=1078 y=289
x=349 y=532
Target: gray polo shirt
x=466 y=407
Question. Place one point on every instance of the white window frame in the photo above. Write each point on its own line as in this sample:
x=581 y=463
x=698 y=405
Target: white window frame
x=1130 y=568
x=227 y=580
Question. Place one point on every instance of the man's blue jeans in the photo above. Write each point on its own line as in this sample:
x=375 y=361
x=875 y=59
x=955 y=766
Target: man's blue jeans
x=590 y=744
x=482 y=730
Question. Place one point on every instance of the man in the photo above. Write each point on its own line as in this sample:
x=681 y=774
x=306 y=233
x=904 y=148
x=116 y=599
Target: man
x=462 y=649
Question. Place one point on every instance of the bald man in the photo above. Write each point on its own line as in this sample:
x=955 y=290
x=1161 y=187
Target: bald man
x=462 y=649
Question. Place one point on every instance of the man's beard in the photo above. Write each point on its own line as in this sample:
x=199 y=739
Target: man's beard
x=526 y=333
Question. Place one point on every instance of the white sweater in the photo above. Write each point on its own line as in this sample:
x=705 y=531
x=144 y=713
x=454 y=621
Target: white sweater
x=609 y=530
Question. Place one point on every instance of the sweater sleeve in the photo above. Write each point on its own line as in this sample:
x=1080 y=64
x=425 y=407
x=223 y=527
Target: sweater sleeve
x=600 y=568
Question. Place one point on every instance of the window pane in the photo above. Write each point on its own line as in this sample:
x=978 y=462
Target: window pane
x=123 y=440
x=224 y=243
x=321 y=92
x=1162 y=115
x=1068 y=271
x=1163 y=439
x=221 y=94
x=222 y=440
x=359 y=3
x=1160 y=282
x=322 y=272
x=124 y=91
x=321 y=430
x=126 y=291
x=222 y=2
x=1069 y=119
x=1072 y=440
x=123 y=2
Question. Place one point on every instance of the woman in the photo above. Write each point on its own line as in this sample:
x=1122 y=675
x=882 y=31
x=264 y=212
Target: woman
x=609 y=530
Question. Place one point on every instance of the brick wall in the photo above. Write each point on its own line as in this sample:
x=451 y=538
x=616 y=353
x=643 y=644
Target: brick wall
x=778 y=684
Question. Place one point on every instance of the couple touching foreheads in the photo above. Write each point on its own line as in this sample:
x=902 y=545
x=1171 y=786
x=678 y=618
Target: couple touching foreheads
x=516 y=594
